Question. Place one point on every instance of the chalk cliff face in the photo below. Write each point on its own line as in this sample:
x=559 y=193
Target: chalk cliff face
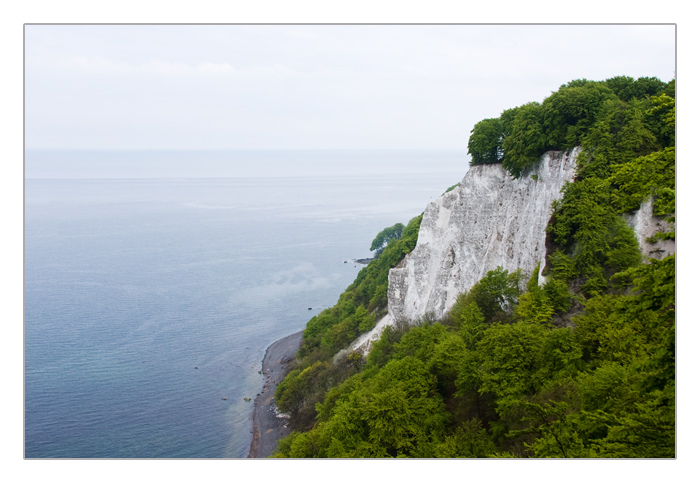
x=646 y=225
x=489 y=220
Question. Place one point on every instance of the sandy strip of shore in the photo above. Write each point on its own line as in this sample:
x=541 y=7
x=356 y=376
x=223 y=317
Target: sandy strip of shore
x=267 y=427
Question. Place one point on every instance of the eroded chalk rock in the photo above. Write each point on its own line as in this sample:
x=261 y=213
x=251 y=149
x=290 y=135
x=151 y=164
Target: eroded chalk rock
x=489 y=220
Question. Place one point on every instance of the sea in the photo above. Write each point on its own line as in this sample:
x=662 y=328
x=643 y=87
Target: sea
x=154 y=281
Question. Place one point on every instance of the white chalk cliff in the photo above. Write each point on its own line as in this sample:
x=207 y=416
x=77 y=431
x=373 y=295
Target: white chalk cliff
x=645 y=226
x=488 y=220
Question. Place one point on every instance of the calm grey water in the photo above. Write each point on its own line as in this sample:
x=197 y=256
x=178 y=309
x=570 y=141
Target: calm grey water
x=153 y=287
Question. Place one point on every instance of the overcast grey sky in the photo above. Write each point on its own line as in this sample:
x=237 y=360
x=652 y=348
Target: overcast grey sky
x=308 y=86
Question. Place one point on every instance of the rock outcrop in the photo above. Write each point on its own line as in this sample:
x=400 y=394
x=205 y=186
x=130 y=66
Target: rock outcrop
x=645 y=226
x=489 y=220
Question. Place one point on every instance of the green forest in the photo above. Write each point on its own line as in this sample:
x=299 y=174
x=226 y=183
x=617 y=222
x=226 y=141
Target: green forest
x=582 y=366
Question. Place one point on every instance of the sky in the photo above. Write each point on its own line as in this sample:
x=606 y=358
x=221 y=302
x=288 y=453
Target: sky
x=308 y=86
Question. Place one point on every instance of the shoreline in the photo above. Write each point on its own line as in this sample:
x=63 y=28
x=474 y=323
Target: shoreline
x=268 y=428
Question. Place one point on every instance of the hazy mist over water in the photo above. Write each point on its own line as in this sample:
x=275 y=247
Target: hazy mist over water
x=154 y=282
x=239 y=163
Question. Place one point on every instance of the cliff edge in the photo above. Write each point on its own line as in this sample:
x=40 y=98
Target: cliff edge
x=488 y=220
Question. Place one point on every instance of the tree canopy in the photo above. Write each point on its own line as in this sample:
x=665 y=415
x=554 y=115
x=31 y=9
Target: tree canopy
x=581 y=112
x=385 y=236
x=581 y=366
x=486 y=142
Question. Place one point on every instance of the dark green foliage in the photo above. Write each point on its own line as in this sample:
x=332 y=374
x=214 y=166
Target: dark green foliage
x=395 y=412
x=472 y=323
x=518 y=359
x=558 y=294
x=420 y=341
x=609 y=119
x=471 y=440
x=495 y=294
x=292 y=391
x=623 y=249
x=627 y=88
x=623 y=404
x=604 y=333
x=556 y=435
x=535 y=305
x=596 y=241
x=569 y=112
x=583 y=212
x=617 y=172
x=662 y=117
x=621 y=134
x=653 y=175
x=302 y=389
x=622 y=417
x=527 y=140
x=604 y=388
x=385 y=236
x=383 y=349
x=510 y=357
x=485 y=142
x=581 y=366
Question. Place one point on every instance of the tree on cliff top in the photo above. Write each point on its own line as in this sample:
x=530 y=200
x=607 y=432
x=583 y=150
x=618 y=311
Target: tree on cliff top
x=486 y=142
x=385 y=236
x=566 y=118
